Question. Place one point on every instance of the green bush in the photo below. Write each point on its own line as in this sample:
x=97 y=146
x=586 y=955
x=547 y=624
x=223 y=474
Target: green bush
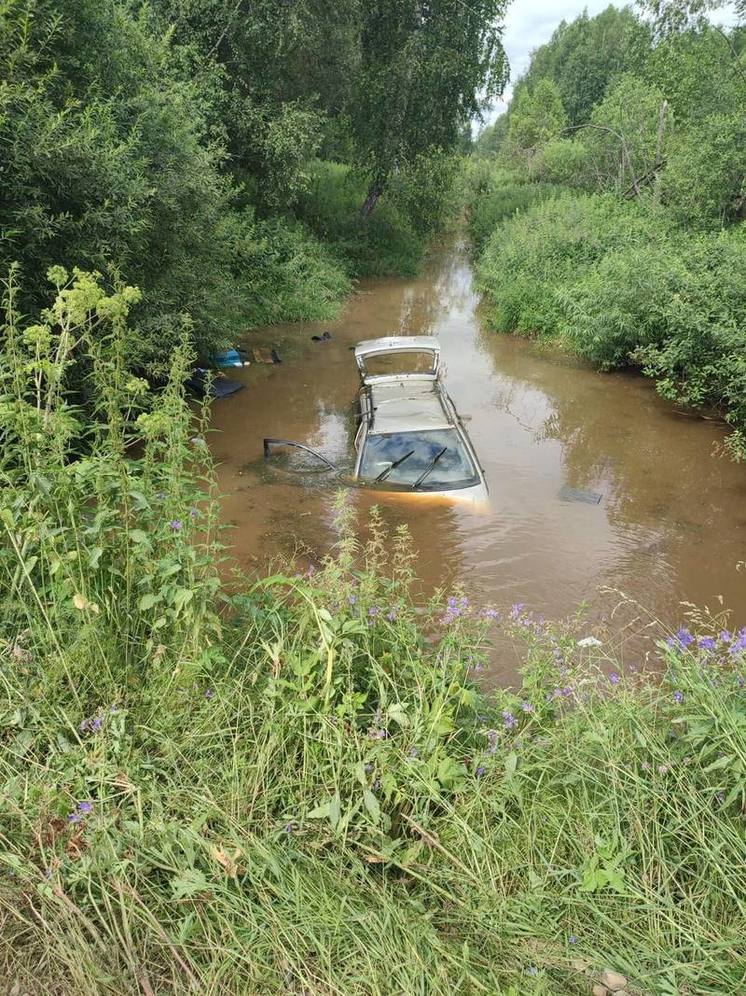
x=704 y=183
x=621 y=285
x=285 y=273
x=386 y=242
x=492 y=194
x=531 y=258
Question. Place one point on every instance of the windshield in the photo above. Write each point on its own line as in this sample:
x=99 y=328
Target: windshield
x=433 y=460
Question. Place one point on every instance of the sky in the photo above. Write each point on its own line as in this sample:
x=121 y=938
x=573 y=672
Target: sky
x=530 y=23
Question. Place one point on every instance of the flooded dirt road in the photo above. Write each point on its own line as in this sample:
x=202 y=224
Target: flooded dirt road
x=671 y=524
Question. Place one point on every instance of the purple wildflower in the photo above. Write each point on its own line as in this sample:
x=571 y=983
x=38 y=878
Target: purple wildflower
x=725 y=636
x=368 y=768
x=678 y=697
x=290 y=826
x=97 y=723
x=572 y=939
x=738 y=646
x=82 y=809
x=528 y=707
x=175 y=524
x=352 y=599
x=684 y=637
x=509 y=720
x=481 y=771
x=706 y=643
x=373 y=611
x=209 y=693
x=193 y=512
x=413 y=752
x=614 y=678
x=516 y=610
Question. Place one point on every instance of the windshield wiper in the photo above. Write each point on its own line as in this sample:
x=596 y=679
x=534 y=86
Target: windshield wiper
x=428 y=469
x=385 y=473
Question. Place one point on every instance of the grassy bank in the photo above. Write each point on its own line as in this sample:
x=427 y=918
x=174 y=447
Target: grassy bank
x=302 y=788
x=621 y=284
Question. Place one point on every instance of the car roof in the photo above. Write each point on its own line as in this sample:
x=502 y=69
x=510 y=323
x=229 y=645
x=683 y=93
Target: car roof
x=407 y=405
x=399 y=343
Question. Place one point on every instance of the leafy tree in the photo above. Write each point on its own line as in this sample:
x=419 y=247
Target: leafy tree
x=586 y=56
x=537 y=118
x=108 y=161
x=279 y=72
x=627 y=135
x=705 y=177
x=426 y=69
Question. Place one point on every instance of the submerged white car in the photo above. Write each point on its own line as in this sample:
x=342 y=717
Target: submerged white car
x=410 y=439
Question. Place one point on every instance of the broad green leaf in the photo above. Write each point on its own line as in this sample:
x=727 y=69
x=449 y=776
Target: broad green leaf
x=511 y=763
x=398 y=714
x=182 y=597
x=371 y=804
x=188 y=883
x=320 y=812
x=335 y=806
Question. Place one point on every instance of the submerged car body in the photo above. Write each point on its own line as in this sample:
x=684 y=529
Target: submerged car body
x=410 y=439
x=410 y=436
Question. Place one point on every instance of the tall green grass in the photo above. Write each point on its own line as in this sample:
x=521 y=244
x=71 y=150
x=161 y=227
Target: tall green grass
x=301 y=787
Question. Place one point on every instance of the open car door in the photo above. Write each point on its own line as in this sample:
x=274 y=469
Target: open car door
x=398 y=355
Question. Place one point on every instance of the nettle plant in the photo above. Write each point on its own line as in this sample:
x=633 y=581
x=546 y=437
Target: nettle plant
x=107 y=511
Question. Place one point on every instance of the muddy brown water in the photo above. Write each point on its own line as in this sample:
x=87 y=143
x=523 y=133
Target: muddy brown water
x=671 y=524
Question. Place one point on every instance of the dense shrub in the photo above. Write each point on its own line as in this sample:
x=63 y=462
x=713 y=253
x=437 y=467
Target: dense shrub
x=620 y=284
x=287 y=274
x=387 y=241
x=492 y=193
x=704 y=183
x=530 y=258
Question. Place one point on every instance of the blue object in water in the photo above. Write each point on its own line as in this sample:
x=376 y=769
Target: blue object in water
x=227 y=358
